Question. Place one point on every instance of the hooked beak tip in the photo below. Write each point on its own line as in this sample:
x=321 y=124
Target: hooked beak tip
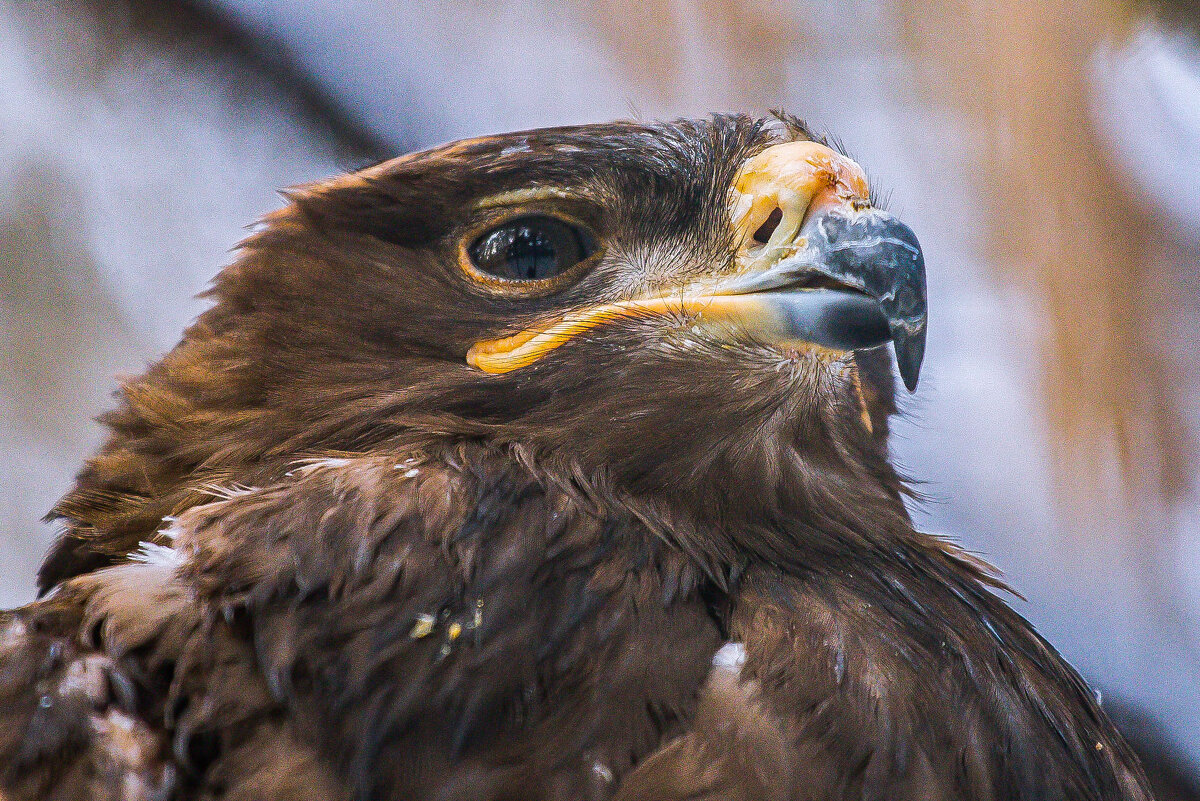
x=910 y=352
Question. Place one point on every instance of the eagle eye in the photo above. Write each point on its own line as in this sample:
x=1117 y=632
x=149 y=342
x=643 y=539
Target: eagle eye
x=530 y=248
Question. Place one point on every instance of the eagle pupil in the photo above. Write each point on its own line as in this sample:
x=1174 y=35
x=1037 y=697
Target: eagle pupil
x=531 y=254
x=529 y=249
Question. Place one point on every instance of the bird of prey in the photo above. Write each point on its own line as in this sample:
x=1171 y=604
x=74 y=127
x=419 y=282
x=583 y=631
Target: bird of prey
x=550 y=465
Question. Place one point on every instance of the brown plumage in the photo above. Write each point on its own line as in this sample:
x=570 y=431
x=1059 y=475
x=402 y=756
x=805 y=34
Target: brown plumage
x=324 y=556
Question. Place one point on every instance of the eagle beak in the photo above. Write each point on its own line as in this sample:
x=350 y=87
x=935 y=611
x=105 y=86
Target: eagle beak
x=816 y=265
x=834 y=271
x=855 y=280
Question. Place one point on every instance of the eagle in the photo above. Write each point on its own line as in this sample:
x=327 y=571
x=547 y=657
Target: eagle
x=546 y=465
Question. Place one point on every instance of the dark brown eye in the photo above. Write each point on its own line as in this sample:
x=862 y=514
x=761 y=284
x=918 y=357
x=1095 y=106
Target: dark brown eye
x=530 y=248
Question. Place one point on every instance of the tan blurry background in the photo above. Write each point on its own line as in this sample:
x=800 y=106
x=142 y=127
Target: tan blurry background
x=1047 y=154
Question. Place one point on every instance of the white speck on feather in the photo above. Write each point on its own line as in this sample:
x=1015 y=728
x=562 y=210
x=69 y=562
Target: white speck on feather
x=523 y=147
x=150 y=553
x=603 y=771
x=230 y=492
x=306 y=466
x=730 y=657
x=171 y=531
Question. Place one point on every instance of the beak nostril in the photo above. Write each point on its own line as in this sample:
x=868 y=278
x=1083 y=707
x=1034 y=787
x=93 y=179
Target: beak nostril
x=763 y=234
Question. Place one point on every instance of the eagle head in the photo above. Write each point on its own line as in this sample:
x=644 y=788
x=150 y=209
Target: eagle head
x=694 y=307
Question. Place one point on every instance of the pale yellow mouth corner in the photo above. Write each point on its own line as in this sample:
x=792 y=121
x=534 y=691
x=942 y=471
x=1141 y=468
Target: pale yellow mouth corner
x=522 y=349
x=790 y=176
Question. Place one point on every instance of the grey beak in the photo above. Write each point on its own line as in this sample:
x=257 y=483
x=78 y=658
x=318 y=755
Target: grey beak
x=877 y=272
x=872 y=251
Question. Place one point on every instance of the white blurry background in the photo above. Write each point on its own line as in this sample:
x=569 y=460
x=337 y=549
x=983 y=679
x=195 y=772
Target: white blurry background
x=1048 y=157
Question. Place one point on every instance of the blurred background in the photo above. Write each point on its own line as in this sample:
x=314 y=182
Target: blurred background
x=1048 y=155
